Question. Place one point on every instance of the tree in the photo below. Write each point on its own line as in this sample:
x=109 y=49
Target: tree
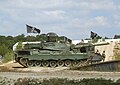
x=19 y=46
x=20 y=38
x=116 y=36
x=3 y=50
x=30 y=38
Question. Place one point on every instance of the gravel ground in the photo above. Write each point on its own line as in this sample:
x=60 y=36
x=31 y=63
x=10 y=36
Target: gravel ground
x=61 y=74
x=14 y=71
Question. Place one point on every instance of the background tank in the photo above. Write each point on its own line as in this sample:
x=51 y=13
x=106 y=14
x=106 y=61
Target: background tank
x=53 y=51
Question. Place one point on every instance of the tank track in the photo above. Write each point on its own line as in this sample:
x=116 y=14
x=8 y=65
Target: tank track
x=82 y=65
x=52 y=63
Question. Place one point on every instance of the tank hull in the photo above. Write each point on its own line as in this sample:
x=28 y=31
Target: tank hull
x=55 y=57
x=75 y=59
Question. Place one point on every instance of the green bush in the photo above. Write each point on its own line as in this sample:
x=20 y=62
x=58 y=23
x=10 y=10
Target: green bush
x=97 y=82
x=57 y=81
x=19 y=46
x=6 y=81
x=3 y=49
x=8 y=57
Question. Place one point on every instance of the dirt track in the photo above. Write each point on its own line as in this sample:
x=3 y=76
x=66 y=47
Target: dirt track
x=14 y=71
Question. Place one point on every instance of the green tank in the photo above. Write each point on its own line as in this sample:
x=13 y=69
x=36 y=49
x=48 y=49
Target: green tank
x=54 y=51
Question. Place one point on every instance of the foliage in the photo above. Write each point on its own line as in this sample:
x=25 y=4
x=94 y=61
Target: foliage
x=117 y=57
x=97 y=82
x=19 y=46
x=58 y=81
x=8 y=57
x=116 y=36
x=20 y=38
x=6 y=81
x=3 y=50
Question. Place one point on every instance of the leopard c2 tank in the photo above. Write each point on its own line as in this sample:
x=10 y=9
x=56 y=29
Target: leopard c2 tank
x=53 y=51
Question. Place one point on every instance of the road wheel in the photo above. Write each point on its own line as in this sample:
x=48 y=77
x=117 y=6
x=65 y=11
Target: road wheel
x=83 y=63
x=60 y=63
x=45 y=63
x=53 y=64
x=37 y=63
x=68 y=63
x=75 y=63
x=30 y=63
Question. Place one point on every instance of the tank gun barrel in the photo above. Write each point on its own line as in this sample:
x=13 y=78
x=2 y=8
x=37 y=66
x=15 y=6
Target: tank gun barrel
x=90 y=44
x=99 y=44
